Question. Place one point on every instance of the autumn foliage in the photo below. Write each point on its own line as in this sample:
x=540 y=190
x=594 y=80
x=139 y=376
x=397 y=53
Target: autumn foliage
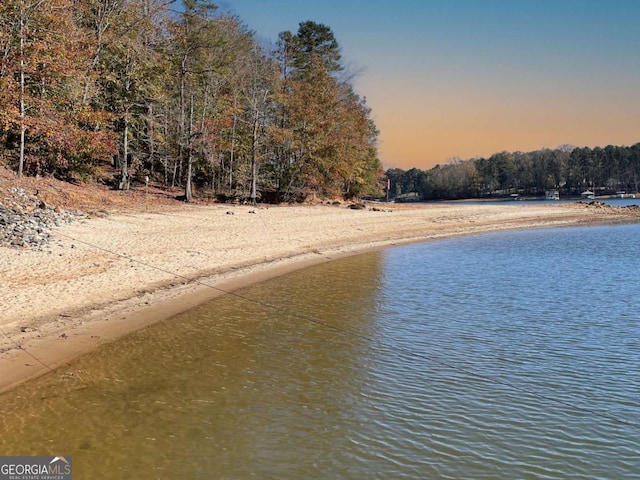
x=183 y=94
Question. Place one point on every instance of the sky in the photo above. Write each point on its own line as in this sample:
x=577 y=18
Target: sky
x=468 y=78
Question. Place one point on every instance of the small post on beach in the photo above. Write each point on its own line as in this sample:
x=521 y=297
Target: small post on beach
x=146 y=192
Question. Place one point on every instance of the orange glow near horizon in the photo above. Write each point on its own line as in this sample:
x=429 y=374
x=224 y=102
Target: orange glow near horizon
x=427 y=132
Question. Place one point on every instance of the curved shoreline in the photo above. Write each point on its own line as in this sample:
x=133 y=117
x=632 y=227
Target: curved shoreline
x=107 y=277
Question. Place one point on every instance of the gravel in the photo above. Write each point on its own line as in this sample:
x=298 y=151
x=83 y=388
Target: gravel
x=27 y=221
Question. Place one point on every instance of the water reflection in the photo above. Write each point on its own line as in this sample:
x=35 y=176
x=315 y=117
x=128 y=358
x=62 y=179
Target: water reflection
x=222 y=391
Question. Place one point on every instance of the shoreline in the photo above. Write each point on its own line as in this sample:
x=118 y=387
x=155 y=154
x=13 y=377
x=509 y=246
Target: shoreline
x=107 y=277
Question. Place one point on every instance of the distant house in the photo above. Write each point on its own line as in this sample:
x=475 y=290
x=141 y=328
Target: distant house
x=552 y=195
x=408 y=197
x=588 y=195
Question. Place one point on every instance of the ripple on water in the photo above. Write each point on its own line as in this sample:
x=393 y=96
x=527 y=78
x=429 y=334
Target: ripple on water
x=497 y=356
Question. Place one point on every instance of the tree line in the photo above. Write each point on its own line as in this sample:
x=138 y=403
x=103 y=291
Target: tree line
x=569 y=170
x=182 y=93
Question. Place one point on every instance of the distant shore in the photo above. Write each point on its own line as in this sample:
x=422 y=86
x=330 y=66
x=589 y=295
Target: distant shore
x=102 y=278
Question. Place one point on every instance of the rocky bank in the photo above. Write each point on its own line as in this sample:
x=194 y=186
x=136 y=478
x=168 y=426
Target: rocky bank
x=26 y=220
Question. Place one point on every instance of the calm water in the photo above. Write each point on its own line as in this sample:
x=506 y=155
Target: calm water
x=614 y=202
x=503 y=356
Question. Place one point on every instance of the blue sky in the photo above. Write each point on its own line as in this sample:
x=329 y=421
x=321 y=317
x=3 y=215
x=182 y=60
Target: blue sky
x=464 y=78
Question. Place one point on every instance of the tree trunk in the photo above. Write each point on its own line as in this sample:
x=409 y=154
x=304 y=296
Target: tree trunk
x=23 y=127
x=181 y=133
x=124 y=172
x=254 y=160
x=187 y=191
x=152 y=143
x=233 y=143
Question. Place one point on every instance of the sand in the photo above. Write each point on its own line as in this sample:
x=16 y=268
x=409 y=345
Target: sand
x=102 y=278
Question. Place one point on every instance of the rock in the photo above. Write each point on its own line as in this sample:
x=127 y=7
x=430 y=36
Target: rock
x=26 y=220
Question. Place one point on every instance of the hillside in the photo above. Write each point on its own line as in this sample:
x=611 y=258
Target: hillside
x=88 y=198
x=31 y=207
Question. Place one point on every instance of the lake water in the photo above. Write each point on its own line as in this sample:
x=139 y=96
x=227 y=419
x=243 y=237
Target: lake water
x=501 y=356
x=614 y=202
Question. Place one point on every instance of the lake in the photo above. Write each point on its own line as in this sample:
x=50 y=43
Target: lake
x=614 y=202
x=498 y=356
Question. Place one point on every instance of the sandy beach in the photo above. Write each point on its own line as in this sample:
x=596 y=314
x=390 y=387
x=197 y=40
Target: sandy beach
x=101 y=278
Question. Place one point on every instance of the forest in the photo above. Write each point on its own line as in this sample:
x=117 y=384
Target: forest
x=568 y=169
x=181 y=93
